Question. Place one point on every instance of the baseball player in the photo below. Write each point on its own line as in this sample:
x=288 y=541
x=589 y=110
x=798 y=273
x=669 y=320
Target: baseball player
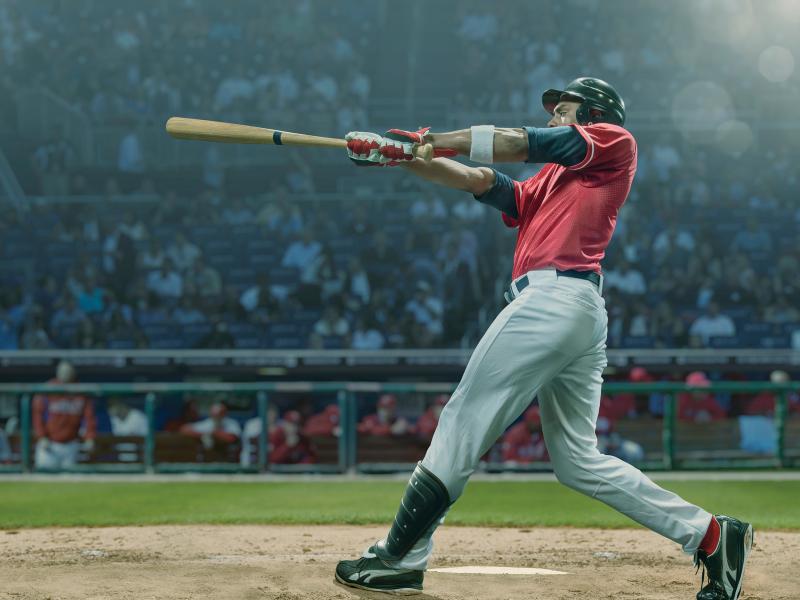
x=58 y=422
x=549 y=341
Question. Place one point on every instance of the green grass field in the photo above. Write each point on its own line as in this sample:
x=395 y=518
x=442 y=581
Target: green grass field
x=768 y=504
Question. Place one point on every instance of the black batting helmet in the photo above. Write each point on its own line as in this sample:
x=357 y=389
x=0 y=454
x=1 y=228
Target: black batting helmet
x=600 y=103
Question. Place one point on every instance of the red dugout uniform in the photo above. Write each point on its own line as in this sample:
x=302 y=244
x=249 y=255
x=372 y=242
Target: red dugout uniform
x=567 y=214
x=58 y=417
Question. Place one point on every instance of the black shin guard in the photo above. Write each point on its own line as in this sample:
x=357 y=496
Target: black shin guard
x=425 y=501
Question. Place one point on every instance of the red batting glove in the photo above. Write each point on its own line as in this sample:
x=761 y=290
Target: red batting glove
x=363 y=148
x=398 y=145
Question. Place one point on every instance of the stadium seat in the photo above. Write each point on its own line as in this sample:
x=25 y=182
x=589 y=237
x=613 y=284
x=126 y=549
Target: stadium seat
x=775 y=341
x=192 y=334
x=167 y=342
x=285 y=342
x=638 y=341
x=725 y=341
x=333 y=342
x=121 y=344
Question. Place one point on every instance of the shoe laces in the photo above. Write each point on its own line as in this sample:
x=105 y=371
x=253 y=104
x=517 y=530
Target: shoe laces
x=698 y=563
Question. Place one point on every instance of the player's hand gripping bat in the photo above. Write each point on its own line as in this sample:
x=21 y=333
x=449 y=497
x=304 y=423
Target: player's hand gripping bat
x=232 y=133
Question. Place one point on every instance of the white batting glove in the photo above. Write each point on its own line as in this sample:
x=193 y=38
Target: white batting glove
x=363 y=148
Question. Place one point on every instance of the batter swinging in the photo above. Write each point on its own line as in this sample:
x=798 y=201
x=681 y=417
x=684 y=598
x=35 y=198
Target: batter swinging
x=549 y=341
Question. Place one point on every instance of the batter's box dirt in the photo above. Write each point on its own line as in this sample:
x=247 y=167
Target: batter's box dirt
x=297 y=562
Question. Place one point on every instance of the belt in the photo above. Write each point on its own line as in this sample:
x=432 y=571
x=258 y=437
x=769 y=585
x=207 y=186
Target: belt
x=523 y=281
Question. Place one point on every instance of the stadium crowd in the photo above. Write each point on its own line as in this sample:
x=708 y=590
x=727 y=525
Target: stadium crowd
x=218 y=264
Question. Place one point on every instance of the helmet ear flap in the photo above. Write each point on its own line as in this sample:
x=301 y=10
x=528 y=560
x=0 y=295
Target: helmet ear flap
x=590 y=114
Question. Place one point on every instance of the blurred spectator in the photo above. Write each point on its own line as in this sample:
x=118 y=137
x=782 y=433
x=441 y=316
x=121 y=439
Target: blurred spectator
x=60 y=421
x=152 y=258
x=237 y=213
x=183 y=253
x=186 y=313
x=332 y=323
x=672 y=239
x=34 y=334
x=764 y=402
x=623 y=405
x=427 y=422
x=753 y=239
x=626 y=279
x=291 y=446
x=216 y=430
x=92 y=297
x=259 y=295
x=697 y=406
x=203 y=280
x=166 y=283
x=367 y=336
x=425 y=309
x=712 y=323
x=68 y=315
x=782 y=311
x=130 y=157
x=324 y=424
x=302 y=251
x=133 y=227
x=126 y=420
x=385 y=421
x=8 y=332
x=524 y=442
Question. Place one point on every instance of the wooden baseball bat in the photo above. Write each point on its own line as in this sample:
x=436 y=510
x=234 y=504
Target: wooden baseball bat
x=183 y=128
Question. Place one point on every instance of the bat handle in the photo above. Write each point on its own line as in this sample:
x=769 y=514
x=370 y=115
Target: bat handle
x=425 y=152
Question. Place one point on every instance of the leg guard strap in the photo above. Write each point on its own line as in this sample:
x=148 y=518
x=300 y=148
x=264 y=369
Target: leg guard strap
x=425 y=501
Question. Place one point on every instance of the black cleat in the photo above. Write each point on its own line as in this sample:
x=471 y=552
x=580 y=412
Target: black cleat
x=725 y=566
x=370 y=573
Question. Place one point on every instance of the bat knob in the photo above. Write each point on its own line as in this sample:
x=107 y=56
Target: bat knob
x=424 y=151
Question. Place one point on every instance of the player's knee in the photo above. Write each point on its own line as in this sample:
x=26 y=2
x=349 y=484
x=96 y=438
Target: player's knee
x=573 y=473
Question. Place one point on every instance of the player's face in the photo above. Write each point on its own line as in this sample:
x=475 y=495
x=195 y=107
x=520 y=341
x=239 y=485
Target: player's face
x=565 y=113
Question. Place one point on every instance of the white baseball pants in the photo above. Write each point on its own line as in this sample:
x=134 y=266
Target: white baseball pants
x=550 y=341
x=52 y=456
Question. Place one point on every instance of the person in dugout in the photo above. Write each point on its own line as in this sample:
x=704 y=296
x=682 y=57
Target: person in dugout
x=699 y=406
x=524 y=442
x=60 y=422
x=323 y=424
x=427 y=422
x=289 y=445
x=218 y=428
x=764 y=402
x=385 y=422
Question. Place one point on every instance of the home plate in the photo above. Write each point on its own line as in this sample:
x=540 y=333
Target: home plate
x=498 y=571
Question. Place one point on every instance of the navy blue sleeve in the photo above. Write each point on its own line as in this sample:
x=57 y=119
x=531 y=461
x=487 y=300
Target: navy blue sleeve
x=501 y=195
x=560 y=145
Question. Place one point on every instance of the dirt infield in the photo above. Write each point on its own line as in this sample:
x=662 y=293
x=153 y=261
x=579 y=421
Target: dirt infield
x=296 y=562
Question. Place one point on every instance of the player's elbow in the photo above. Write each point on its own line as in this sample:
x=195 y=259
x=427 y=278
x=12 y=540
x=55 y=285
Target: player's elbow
x=479 y=180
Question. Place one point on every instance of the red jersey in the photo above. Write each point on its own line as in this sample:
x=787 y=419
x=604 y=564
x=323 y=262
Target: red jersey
x=567 y=214
x=426 y=424
x=323 y=424
x=522 y=445
x=620 y=406
x=693 y=409
x=58 y=417
x=372 y=425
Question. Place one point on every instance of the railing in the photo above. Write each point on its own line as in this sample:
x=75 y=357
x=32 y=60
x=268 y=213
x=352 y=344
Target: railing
x=347 y=442
x=763 y=359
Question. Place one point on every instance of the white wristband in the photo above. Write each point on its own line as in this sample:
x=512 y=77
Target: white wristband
x=482 y=148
